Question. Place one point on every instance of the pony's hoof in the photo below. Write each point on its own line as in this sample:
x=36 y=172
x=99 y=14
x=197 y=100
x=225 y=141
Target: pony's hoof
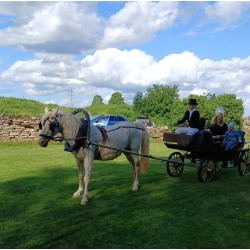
x=83 y=202
x=76 y=195
x=135 y=189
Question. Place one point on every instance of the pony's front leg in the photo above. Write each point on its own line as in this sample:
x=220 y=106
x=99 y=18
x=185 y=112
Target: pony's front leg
x=78 y=193
x=87 y=166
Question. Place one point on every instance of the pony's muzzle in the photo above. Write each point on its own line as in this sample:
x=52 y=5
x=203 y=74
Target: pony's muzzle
x=43 y=142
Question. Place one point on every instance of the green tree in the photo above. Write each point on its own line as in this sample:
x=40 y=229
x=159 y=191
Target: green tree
x=158 y=102
x=97 y=100
x=116 y=98
x=138 y=103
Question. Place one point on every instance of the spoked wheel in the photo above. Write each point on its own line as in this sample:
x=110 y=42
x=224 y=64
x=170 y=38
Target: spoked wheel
x=175 y=165
x=219 y=165
x=207 y=171
x=244 y=163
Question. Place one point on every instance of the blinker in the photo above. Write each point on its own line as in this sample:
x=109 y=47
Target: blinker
x=52 y=126
x=40 y=125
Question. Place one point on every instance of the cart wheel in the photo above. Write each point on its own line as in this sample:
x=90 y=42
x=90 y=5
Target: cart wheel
x=244 y=163
x=175 y=168
x=207 y=171
x=219 y=165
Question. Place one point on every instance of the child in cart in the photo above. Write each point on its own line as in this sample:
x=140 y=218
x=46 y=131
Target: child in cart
x=232 y=137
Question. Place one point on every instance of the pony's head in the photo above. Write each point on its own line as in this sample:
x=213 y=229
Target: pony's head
x=49 y=126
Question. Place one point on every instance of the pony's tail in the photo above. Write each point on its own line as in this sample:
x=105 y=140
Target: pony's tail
x=144 y=148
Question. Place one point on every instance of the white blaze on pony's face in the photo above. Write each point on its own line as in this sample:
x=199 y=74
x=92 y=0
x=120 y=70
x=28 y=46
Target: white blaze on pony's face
x=47 y=126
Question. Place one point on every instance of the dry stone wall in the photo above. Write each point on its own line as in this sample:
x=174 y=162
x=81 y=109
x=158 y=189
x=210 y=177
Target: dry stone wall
x=17 y=128
x=157 y=133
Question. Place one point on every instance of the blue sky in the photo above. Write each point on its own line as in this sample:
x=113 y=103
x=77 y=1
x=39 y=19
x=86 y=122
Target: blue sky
x=97 y=48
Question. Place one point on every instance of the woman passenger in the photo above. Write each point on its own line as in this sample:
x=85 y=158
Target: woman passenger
x=219 y=128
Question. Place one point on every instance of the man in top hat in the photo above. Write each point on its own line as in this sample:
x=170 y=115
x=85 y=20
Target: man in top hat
x=192 y=117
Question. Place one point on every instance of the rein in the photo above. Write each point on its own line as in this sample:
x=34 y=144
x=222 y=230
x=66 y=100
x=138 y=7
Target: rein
x=80 y=141
x=106 y=132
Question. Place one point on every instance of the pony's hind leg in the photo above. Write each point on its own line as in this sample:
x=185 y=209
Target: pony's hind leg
x=134 y=160
x=78 y=193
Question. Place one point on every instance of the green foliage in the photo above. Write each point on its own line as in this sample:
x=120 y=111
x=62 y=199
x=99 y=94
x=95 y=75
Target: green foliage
x=175 y=114
x=37 y=211
x=116 y=99
x=158 y=103
x=97 y=100
x=138 y=102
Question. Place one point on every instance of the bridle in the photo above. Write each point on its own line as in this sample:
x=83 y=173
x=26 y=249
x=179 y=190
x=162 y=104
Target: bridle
x=54 y=127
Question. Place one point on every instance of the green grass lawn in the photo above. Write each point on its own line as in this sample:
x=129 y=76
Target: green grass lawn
x=37 y=211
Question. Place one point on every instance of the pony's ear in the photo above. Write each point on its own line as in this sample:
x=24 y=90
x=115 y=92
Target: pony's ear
x=46 y=109
x=56 y=111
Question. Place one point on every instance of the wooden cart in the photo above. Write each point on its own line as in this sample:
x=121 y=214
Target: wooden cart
x=202 y=152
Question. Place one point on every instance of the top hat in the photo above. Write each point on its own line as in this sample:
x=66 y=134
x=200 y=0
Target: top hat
x=192 y=102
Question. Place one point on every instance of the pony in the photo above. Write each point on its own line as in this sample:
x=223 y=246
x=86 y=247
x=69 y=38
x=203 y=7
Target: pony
x=124 y=136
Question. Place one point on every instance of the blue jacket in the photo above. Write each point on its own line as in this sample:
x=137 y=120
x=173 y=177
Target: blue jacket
x=232 y=136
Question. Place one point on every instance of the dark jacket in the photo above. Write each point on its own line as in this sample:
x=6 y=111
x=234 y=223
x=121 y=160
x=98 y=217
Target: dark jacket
x=194 y=121
x=218 y=130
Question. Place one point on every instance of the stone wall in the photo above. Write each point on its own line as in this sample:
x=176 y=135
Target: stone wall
x=17 y=128
x=157 y=133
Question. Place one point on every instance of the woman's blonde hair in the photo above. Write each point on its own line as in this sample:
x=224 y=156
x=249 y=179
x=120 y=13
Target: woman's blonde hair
x=218 y=115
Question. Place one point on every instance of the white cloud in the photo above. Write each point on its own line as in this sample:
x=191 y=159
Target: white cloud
x=57 y=27
x=113 y=67
x=138 y=21
x=225 y=13
x=74 y=28
x=128 y=71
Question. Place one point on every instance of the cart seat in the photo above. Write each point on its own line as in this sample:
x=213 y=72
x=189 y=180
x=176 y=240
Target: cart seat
x=202 y=141
x=176 y=141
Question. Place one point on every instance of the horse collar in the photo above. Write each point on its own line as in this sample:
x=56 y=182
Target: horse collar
x=80 y=140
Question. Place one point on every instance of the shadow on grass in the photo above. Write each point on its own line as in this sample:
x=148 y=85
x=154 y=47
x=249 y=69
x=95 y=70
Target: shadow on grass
x=38 y=211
